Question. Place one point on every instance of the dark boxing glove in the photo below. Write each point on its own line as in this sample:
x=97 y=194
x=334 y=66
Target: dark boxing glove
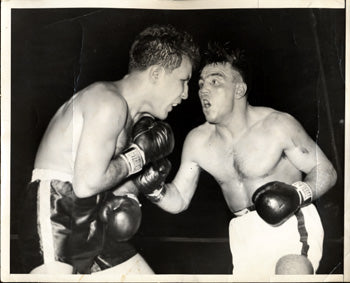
x=151 y=181
x=275 y=202
x=122 y=214
x=151 y=140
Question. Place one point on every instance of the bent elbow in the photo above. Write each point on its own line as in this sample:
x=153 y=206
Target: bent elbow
x=177 y=210
x=185 y=206
x=175 y=206
x=82 y=190
x=81 y=193
x=333 y=176
x=180 y=208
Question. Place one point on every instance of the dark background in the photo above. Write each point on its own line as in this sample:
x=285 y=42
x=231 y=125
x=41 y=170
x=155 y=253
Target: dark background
x=298 y=67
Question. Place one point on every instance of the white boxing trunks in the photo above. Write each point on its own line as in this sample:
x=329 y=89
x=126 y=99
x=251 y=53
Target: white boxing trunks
x=257 y=246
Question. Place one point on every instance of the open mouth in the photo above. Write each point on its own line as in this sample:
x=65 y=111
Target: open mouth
x=176 y=103
x=206 y=103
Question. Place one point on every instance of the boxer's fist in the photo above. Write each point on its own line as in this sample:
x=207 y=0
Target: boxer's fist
x=275 y=202
x=154 y=137
x=151 y=181
x=122 y=215
x=151 y=140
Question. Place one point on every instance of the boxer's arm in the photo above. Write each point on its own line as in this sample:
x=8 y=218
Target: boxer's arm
x=180 y=191
x=127 y=187
x=305 y=154
x=104 y=117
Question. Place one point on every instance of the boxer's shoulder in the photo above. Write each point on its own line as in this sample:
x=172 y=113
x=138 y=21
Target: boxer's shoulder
x=102 y=92
x=103 y=96
x=196 y=142
x=282 y=126
x=277 y=118
x=200 y=134
x=270 y=119
x=99 y=85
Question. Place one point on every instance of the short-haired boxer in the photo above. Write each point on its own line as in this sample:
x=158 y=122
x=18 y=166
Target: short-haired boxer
x=71 y=218
x=258 y=155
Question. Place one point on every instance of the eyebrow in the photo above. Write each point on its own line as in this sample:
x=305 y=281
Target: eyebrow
x=212 y=75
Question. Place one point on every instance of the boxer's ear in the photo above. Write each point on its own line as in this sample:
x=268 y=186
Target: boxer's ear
x=241 y=89
x=155 y=73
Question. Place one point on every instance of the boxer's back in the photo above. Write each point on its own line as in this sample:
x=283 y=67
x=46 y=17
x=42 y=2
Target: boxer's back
x=59 y=143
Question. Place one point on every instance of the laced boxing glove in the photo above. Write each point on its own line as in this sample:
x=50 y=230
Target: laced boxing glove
x=151 y=181
x=122 y=214
x=275 y=202
x=151 y=140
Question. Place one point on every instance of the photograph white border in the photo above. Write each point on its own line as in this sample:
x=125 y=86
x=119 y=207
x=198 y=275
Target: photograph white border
x=6 y=7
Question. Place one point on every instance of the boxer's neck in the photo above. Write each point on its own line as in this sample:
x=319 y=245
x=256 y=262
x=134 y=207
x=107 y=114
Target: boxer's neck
x=136 y=90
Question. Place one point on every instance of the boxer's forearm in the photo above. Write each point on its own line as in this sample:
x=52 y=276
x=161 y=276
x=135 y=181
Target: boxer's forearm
x=91 y=183
x=127 y=187
x=321 y=178
x=116 y=173
x=172 y=201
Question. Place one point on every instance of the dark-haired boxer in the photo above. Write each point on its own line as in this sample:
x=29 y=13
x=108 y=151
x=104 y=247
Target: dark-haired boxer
x=258 y=156
x=88 y=150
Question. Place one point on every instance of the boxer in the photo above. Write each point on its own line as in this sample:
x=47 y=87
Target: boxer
x=89 y=150
x=258 y=156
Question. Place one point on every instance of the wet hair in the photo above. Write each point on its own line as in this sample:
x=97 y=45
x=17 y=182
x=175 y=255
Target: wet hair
x=162 y=45
x=221 y=53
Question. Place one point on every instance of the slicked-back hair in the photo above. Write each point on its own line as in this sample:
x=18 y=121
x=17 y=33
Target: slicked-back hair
x=162 y=45
x=221 y=53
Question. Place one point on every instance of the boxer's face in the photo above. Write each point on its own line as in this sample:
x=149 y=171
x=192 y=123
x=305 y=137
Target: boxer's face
x=217 y=86
x=173 y=88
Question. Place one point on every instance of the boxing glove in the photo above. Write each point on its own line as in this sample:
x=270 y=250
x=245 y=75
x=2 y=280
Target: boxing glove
x=275 y=202
x=151 y=181
x=122 y=215
x=151 y=140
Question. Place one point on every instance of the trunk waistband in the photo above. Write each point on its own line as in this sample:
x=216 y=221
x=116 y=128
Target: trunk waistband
x=47 y=174
x=244 y=211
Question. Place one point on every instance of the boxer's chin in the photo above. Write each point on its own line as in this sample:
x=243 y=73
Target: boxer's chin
x=160 y=115
x=164 y=115
x=209 y=119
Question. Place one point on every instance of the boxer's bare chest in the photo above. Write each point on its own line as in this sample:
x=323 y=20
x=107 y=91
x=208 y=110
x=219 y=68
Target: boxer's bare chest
x=241 y=166
x=255 y=155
